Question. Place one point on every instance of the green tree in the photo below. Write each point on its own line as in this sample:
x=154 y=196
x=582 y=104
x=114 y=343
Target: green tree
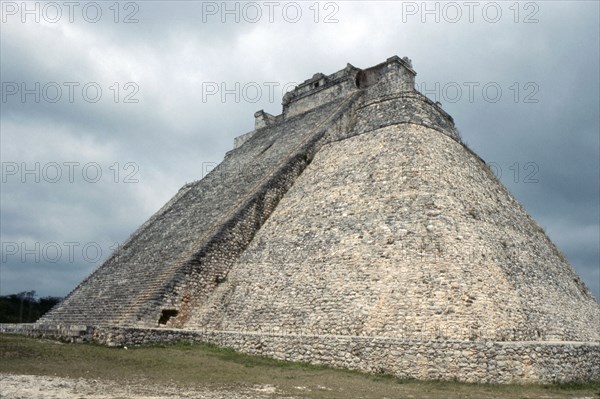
x=24 y=307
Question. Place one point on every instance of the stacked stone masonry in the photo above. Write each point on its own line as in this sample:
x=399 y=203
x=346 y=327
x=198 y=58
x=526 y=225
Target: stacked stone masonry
x=355 y=229
x=468 y=361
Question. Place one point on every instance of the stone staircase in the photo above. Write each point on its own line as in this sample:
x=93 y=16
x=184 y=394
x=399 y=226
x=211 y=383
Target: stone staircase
x=132 y=285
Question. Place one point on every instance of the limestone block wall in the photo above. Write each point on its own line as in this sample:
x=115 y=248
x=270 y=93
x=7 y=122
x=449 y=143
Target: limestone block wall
x=416 y=238
x=318 y=95
x=374 y=112
x=238 y=141
x=469 y=361
x=72 y=333
x=263 y=119
x=393 y=76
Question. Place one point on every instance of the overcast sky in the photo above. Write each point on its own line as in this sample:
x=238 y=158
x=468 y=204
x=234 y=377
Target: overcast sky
x=107 y=110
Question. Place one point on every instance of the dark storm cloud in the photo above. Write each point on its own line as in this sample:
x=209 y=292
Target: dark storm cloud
x=174 y=135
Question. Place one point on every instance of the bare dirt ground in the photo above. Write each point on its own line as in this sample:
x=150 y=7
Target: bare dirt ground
x=47 y=387
x=13 y=386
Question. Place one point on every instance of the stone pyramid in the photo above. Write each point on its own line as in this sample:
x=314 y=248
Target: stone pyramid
x=357 y=214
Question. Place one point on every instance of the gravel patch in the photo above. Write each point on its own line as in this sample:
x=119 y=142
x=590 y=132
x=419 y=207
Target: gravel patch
x=46 y=387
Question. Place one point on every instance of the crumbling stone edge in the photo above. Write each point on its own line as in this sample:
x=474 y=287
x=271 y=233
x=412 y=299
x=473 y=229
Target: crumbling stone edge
x=467 y=361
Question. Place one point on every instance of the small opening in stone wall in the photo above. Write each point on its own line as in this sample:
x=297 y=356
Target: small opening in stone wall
x=166 y=315
x=367 y=78
x=357 y=81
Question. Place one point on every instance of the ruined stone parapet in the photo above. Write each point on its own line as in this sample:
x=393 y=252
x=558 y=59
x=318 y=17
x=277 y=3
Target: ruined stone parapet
x=395 y=75
x=388 y=87
x=319 y=90
x=468 y=361
x=453 y=360
x=69 y=332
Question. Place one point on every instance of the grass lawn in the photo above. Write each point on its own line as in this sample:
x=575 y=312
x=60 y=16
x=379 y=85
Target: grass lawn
x=209 y=366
